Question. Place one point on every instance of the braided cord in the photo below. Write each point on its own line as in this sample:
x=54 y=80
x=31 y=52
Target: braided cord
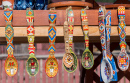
x=52 y=32
x=66 y=33
x=30 y=31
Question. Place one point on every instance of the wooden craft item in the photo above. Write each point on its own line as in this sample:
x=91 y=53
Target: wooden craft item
x=32 y=65
x=69 y=59
x=51 y=65
x=87 y=56
x=123 y=58
x=11 y=65
x=106 y=68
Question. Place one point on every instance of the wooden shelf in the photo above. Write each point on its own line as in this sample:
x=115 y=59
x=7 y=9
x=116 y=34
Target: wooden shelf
x=75 y=5
x=41 y=25
x=41 y=34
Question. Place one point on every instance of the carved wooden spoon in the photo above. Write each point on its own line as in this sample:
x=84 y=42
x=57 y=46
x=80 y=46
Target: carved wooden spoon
x=87 y=56
x=11 y=64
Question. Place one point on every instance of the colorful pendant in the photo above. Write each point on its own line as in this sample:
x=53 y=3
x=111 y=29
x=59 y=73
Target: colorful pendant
x=11 y=65
x=32 y=65
x=123 y=58
x=51 y=65
x=87 y=56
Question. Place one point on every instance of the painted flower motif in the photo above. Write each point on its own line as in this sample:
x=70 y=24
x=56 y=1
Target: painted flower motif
x=68 y=60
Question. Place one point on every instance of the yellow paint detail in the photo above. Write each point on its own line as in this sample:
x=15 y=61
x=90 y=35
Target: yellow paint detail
x=11 y=66
x=51 y=67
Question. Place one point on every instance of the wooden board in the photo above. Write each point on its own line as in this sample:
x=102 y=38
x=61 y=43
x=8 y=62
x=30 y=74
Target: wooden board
x=41 y=34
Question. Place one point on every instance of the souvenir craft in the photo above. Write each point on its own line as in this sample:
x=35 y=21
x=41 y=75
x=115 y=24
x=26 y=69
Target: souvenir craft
x=123 y=58
x=46 y=4
x=51 y=65
x=30 y=3
x=11 y=65
x=32 y=65
x=39 y=4
x=106 y=68
x=20 y=5
x=109 y=54
x=69 y=59
x=87 y=56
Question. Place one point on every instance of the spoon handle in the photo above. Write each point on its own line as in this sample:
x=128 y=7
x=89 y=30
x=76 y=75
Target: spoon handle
x=52 y=31
x=30 y=31
x=85 y=27
x=71 y=26
x=9 y=31
x=102 y=28
x=108 y=31
x=122 y=29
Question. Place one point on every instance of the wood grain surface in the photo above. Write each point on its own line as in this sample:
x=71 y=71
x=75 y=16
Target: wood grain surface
x=41 y=34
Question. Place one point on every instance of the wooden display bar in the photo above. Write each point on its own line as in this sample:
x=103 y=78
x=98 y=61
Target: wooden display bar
x=41 y=17
x=41 y=34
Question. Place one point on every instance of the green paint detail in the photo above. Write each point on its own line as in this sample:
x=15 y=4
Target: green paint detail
x=90 y=59
x=74 y=67
x=6 y=7
x=72 y=14
x=32 y=55
x=27 y=13
x=28 y=68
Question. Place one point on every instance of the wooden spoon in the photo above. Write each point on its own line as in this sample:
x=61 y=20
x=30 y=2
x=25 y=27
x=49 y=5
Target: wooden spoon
x=106 y=68
x=123 y=58
x=70 y=59
x=87 y=56
x=32 y=65
x=11 y=65
x=51 y=65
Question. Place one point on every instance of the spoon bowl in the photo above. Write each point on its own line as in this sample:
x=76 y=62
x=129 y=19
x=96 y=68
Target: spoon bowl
x=123 y=61
x=106 y=74
x=11 y=66
x=87 y=59
x=51 y=66
x=106 y=70
x=32 y=66
x=68 y=60
x=74 y=65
